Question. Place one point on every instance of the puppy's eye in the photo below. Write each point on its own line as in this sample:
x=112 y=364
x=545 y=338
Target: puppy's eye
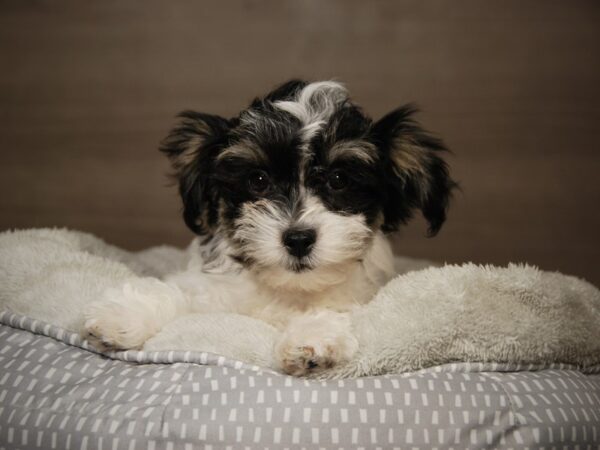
x=258 y=182
x=338 y=180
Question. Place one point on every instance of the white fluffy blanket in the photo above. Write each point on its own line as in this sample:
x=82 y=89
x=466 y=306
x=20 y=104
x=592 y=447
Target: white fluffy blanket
x=426 y=316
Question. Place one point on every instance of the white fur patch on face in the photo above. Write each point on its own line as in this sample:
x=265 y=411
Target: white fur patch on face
x=341 y=241
x=340 y=238
x=258 y=232
x=314 y=105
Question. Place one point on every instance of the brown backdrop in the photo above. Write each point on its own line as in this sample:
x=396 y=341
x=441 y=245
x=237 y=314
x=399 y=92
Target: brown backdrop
x=87 y=90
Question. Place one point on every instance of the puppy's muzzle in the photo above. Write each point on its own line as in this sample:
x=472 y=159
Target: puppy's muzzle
x=299 y=242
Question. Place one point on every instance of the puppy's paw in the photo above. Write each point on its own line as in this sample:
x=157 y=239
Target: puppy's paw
x=128 y=316
x=301 y=360
x=315 y=343
x=111 y=326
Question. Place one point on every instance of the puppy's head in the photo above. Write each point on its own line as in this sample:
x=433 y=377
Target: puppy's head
x=299 y=182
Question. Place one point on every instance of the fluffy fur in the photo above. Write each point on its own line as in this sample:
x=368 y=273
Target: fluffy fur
x=292 y=198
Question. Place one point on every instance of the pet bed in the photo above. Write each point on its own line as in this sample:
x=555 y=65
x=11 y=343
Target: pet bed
x=537 y=382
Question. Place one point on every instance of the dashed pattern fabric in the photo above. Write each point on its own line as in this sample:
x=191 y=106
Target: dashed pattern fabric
x=55 y=395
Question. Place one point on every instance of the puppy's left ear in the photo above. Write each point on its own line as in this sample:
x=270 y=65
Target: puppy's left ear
x=416 y=175
x=192 y=147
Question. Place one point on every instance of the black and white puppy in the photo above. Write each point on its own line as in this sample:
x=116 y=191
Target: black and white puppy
x=292 y=199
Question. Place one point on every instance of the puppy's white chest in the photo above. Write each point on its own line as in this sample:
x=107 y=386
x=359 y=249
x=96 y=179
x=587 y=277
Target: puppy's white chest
x=280 y=307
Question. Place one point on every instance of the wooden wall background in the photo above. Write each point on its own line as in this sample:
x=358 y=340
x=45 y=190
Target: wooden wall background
x=87 y=90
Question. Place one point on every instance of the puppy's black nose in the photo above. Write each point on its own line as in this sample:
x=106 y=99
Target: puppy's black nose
x=299 y=242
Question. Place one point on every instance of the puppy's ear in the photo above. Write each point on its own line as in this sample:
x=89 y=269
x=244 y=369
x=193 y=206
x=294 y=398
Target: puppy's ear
x=192 y=147
x=416 y=175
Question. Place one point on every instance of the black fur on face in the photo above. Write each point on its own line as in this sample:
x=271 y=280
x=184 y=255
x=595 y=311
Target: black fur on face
x=301 y=155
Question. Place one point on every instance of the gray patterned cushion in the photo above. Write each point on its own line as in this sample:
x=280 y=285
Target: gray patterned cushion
x=59 y=395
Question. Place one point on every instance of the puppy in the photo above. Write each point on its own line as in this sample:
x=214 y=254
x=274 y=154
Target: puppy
x=292 y=200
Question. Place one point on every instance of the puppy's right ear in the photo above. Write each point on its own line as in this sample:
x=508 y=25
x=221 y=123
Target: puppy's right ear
x=192 y=147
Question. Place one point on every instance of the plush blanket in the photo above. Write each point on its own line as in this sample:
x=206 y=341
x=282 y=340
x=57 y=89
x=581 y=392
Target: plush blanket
x=424 y=317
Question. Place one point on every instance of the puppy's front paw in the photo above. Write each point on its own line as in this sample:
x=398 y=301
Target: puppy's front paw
x=315 y=343
x=128 y=316
x=300 y=360
x=111 y=326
